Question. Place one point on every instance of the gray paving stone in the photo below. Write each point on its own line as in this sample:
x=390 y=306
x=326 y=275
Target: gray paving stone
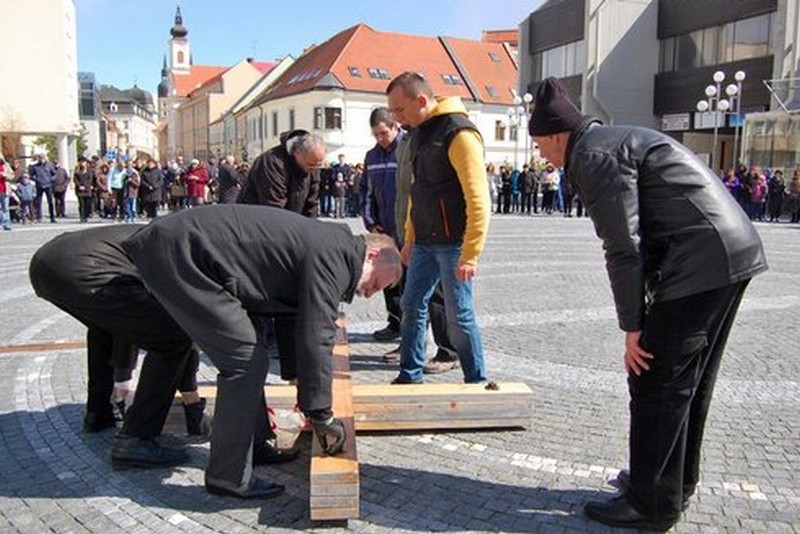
x=547 y=318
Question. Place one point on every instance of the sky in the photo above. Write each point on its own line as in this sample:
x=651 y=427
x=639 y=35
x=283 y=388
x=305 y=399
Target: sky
x=123 y=42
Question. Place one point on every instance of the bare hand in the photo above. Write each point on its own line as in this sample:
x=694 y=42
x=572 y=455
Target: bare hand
x=635 y=356
x=405 y=253
x=377 y=229
x=466 y=272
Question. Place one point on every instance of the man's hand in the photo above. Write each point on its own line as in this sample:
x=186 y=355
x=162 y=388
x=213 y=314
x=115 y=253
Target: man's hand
x=405 y=253
x=635 y=356
x=377 y=229
x=466 y=272
x=330 y=434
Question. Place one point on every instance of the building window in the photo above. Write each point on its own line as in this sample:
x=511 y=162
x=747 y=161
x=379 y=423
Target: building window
x=499 y=131
x=112 y=107
x=274 y=124
x=180 y=56
x=291 y=119
x=378 y=74
x=354 y=72
x=751 y=37
x=452 y=79
x=494 y=56
x=561 y=61
x=491 y=90
x=87 y=106
x=512 y=132
x=327 y=118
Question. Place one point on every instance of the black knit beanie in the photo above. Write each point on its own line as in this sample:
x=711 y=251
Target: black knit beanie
x=553 y=111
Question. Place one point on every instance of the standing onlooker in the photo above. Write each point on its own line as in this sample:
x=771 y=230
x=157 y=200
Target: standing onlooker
x=196 y=179
x=101 y=191
x=505 y=187
x=776 y=191
x=448 y=223
x=116 y=184
x=378 y=196
x=340 y=189
x=758 y=197
x=26 y=191
x=84 y=180
x=60 y=185
x=5 y=215
x=679 y=254
x=151 y=188
x=528 y=185
x=550 y=182
x=212 y=167
x=132 y=183
x=794 y=195
x=229 y=181
x=42 y=173
x=491 y=183
x=567 y=194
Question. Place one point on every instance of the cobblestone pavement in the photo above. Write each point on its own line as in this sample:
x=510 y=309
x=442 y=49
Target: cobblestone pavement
x=547 y=318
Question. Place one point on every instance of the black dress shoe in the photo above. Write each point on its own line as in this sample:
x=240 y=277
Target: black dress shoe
x=267 y=454
x=128 y=452
x=623 y=484
x=399 y=380
x=618 y=512
x=390 y=333
x=96 y=422
x=257 y=489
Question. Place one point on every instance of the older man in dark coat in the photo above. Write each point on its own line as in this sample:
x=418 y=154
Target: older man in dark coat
x=679 y=254
x=208 y=271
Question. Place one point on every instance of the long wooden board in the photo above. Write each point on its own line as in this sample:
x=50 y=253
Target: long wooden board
x=334 y=480
x=378 y=407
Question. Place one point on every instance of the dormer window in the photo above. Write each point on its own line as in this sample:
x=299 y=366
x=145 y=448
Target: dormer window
x=452 y=79
x=378 y=74
x=491 y=90
x=494 y=57
x=112 y=107
x=354 y=72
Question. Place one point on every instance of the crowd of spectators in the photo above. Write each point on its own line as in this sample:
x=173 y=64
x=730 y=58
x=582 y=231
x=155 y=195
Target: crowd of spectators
x=133 y=190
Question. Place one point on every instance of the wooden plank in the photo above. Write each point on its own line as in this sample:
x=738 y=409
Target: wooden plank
x=334 y=480
x=379 y=407
x=42 y=347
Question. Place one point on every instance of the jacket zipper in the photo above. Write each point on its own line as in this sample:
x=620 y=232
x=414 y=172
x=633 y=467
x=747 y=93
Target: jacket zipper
x=444 y=218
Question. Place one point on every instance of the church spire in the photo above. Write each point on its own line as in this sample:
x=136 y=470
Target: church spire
x=178 y=30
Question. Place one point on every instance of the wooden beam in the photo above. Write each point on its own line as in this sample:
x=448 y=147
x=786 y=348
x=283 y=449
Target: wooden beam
x=378 y=407
x=334 y=480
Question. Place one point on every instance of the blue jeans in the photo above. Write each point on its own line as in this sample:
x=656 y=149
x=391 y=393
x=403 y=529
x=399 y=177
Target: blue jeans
x=5 y=216
x=130 y=209
x=430 y=264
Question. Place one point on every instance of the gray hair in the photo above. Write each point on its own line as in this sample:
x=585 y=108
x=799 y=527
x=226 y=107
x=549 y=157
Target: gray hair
x=305 y=143
x=388 y=255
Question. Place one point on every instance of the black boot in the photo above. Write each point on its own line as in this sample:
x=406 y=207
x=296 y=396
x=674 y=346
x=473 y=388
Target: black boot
x=198 y=422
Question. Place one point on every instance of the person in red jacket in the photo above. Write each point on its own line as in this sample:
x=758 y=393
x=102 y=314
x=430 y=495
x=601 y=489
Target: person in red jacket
x=196 y=180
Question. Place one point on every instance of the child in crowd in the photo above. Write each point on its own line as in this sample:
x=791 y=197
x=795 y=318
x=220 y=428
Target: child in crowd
x=26 y=191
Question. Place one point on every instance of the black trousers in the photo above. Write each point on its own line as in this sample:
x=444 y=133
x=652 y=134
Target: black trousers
x=120 y=314
x=669 y=403
x=391 y=297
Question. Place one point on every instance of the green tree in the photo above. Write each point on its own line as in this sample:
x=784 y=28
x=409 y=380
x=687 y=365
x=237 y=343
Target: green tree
x=50 y=144
x=81 y=146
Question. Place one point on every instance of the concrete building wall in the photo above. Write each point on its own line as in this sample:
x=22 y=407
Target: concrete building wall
x=622 y=60
x=49 y=106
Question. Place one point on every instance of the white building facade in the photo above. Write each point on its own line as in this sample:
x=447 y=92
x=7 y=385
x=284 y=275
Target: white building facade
x=49 y=106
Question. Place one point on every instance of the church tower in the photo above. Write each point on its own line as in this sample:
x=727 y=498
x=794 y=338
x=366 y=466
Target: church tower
x=179 y=53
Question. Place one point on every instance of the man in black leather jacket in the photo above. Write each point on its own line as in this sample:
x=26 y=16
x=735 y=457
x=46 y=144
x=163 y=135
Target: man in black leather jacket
x=679 y=254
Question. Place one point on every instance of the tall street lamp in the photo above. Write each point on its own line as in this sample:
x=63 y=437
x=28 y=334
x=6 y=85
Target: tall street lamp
x=518 y=116
x=716 y=103
x=734 y=92
x=728 y=103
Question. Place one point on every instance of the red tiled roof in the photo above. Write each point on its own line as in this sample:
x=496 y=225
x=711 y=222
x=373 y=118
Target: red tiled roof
x=197 y=76
x=263 y=66
x=485 y=65
x=500 y=36
x=362 y=59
